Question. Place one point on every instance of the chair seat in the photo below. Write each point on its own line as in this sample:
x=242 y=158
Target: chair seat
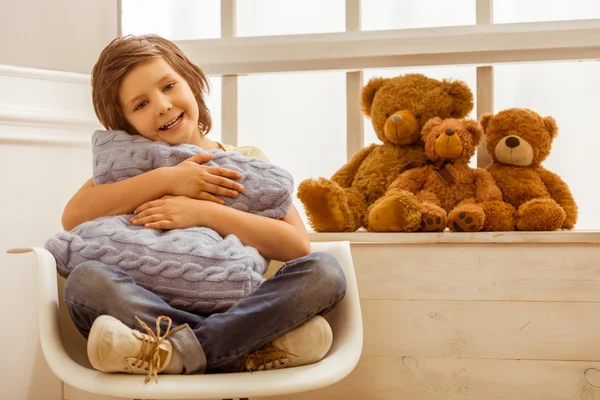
x=65 y=351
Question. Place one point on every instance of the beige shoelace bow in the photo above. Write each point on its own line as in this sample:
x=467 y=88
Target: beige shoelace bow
x=149 y=352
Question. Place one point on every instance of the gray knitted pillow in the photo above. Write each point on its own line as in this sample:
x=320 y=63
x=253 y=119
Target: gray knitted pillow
x=267 y=188
x=193 y=269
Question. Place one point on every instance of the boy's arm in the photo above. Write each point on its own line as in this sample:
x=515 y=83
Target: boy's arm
x=188 y=178
x=281 y=240
x=91 y=202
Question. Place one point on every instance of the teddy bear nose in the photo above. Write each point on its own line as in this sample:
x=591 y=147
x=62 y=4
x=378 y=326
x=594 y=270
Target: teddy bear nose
x=450 y=132
x=397 y=119
x=512 y=142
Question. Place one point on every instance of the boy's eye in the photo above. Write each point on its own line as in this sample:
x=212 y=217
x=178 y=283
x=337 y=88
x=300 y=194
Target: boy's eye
x=141 y=105
x=170 y=86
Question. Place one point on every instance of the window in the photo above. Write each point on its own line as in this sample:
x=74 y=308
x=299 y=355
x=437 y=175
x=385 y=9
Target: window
x=289 y=17
x=410 y=14
x=506 y=11
x=173 y=19
x=298 y=118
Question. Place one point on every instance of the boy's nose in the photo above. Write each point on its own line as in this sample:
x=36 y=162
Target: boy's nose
x=162 y=103
x=165 y=107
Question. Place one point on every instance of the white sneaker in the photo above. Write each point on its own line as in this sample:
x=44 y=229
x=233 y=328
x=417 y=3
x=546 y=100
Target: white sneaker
x=304 y=345
x=114 y=347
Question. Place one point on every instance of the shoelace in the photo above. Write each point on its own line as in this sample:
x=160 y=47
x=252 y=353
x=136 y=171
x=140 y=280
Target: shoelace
x=149 y=352
x=260 y=359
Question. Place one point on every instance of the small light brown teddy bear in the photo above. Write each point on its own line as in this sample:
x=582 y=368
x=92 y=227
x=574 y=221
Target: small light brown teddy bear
x=519 y=140
x=448 y=193
x=398 y=108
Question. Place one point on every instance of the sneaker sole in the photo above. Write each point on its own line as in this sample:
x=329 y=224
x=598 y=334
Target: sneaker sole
x=327 y=334
x=96 y=332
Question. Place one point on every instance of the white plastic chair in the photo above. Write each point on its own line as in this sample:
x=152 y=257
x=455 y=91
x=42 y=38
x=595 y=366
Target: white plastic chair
x=65 y=351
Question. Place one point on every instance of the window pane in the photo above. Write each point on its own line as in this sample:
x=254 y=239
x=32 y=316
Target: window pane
x=406 y=14
x=193 y=19
x=506 y=11
x=569 y=93
x=173 y=19
x=297 y=119
x=286 y=17
x=465 y=74
x=145 y=16
x=213 y=102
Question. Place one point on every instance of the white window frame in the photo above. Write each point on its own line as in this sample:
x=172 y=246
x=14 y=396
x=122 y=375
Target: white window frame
x=482 y=45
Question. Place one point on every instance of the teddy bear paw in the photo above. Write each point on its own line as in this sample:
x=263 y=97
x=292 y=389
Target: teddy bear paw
x=394 y=213
x=466 y=221
x=325 y=204
x=433 y=223
x=540 y=215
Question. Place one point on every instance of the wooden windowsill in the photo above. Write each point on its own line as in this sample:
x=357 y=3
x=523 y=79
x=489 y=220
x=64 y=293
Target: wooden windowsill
x=456 y=237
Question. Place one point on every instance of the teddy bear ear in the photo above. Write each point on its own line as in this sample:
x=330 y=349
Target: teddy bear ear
x=475 y=129
x=429 y=126
x=368 y=94
x=462 y=98
x=485 y=120
x=551 y=126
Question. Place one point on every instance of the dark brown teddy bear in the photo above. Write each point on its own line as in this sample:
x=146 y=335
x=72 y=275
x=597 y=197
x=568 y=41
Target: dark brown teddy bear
x=448 y=192
x=398 y=107
x=519 y=140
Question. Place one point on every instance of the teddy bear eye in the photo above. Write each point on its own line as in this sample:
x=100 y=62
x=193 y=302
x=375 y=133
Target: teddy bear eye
x=418 y=116
x=387 y=115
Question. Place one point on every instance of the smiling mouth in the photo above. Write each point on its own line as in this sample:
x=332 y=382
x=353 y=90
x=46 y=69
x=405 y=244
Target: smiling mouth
x=171 y=123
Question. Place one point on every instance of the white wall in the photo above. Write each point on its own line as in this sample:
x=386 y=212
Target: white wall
x=46 y=120
x=64 y=35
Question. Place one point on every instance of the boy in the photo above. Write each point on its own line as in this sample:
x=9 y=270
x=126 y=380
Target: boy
x=146 y=86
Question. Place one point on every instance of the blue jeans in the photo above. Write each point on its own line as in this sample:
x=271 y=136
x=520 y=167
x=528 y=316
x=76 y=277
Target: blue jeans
x=301 y=289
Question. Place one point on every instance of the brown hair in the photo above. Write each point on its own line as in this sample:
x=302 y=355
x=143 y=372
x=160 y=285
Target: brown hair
x=120 y=57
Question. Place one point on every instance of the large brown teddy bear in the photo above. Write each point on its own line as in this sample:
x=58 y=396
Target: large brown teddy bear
x=519 y=140
x=448 y=192
x=397 y=107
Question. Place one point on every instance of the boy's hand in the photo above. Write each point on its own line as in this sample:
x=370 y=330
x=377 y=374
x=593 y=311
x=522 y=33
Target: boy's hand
x=192 y=179
x=171 y=212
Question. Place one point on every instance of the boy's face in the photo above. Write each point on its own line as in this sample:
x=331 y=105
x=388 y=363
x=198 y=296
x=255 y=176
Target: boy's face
x=159 y=103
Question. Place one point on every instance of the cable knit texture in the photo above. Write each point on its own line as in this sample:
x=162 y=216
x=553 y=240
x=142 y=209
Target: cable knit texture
x=118 y=155
x=193 y=269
